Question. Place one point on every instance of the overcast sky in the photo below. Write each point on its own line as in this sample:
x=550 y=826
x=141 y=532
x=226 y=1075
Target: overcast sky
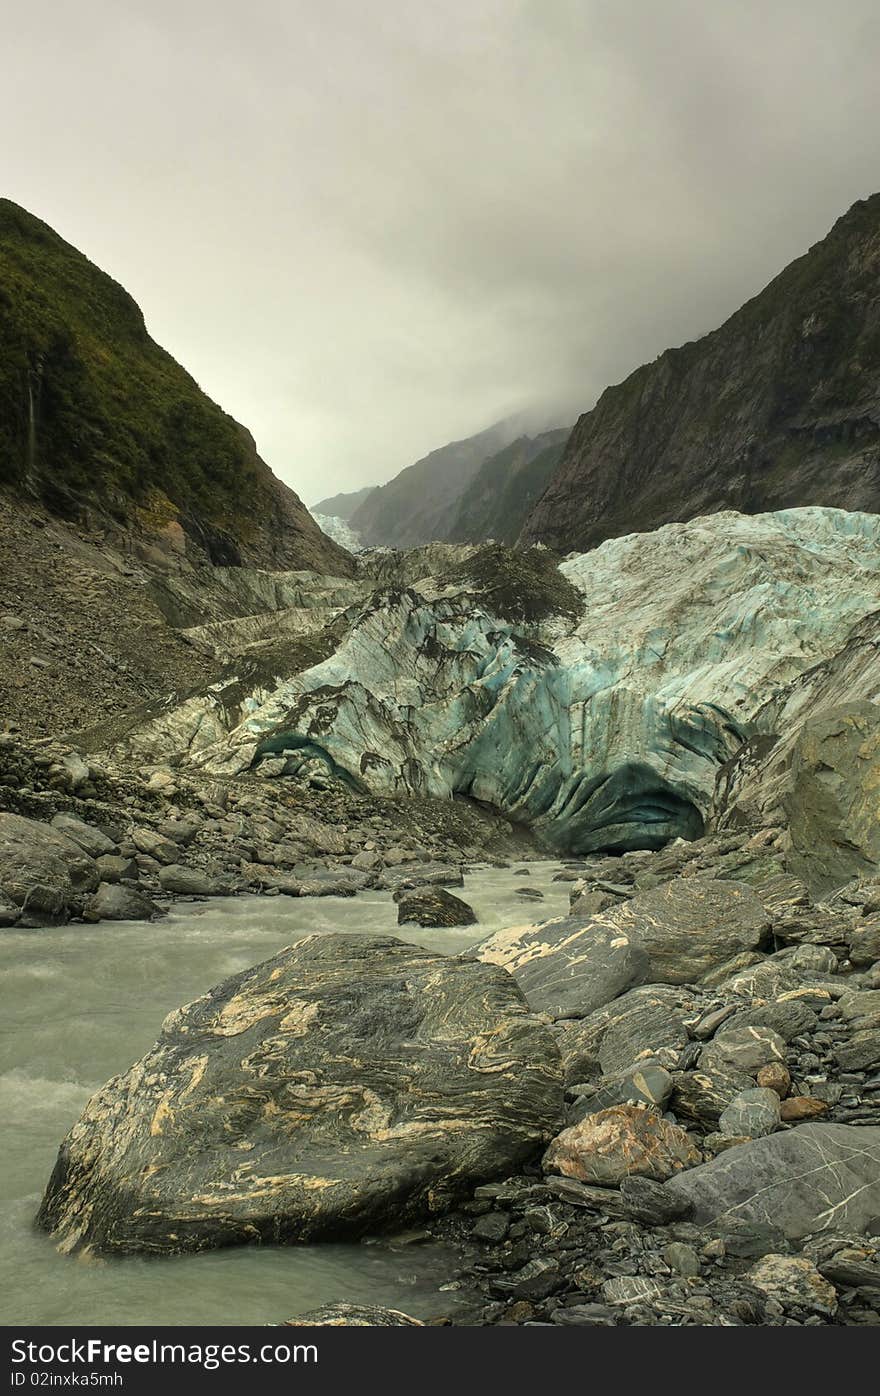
x=369 y=227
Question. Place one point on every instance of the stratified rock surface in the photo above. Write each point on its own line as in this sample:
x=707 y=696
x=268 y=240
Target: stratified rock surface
x=348 y=1084
x=566 y=967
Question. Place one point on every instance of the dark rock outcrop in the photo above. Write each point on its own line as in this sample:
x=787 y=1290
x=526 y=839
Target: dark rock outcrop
x=346 y=1085
x=778 y=407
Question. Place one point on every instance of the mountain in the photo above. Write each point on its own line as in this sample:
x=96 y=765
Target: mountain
x=506 y=487
x=98 y=423
x=342 y=506
x=779 y=407
x=421 y=503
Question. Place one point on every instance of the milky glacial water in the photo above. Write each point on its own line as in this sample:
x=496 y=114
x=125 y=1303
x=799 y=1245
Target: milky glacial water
x=80 y=1003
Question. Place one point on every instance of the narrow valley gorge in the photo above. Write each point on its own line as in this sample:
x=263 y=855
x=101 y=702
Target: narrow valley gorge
x=477 y=927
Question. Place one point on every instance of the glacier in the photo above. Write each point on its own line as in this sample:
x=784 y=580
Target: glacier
x=599 y=730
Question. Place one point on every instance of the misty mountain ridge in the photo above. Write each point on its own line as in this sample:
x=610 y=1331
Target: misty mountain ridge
x=423 y=503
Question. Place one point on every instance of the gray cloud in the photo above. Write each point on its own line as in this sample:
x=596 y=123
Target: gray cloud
x=370 y=228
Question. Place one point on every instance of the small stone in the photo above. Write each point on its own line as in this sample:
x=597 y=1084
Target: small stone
x=630 y=1289
x=186 y=882
x=754 y=1113
x=492 y=1228
x=794 y=1282
x=746 y=1048
x=366 y=861
x=864 y=945
x=802 y=1107
x=650 y=1203
x=775 y=1077
x=683 y=1259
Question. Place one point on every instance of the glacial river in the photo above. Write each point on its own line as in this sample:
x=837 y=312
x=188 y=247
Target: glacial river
x=80 y=1003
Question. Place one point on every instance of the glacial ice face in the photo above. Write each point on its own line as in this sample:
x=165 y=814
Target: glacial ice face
x=601 y=732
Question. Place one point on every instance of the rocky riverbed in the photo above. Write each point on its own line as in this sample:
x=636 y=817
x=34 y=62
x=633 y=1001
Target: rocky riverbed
x=640 y=1085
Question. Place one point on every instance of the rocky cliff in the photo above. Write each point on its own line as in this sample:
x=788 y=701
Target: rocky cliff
x=101 y=425
x=421 y=503
x=778 y=407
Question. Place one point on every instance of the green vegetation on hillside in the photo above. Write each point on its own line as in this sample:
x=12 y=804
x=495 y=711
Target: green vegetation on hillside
x=91 y=407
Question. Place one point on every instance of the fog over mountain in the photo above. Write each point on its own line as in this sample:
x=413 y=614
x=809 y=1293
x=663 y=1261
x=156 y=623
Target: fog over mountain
x=370 y=231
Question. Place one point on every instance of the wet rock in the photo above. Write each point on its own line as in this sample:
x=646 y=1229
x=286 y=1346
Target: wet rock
x=42 y=871
x=536 y=1279
x=795 y=1283
x=420 y=874
x=619 y=1142
x=567 y=968
x=433 y=906
x=803 y=1180
x=353 y=1316
x=753 y=1112
x=115 y=902
x=492 y=1228
x=187 y=882
x=349 y=1084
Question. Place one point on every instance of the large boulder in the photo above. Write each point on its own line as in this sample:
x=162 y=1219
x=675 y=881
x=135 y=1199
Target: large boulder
x=348 y=1084
x=568 y=968
x=43 y=873
x=832 y=796
x=114 y=902
x=810 y=1179
x=690 y=926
